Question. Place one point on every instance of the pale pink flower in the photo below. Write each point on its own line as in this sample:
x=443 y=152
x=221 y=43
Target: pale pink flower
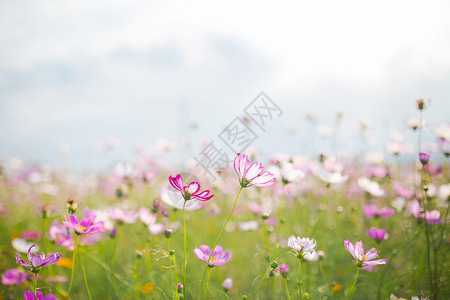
x=363 y=258
x=253 y=174
x=218 y=258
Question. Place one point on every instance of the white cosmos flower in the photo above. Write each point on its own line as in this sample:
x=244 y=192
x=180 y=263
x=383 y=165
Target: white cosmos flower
x=371 y=187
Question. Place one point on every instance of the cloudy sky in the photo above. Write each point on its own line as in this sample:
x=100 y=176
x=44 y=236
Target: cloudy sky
x=80 y=71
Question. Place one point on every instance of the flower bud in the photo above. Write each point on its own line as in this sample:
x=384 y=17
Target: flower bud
x=284 y=269
x=227 y=284
x=71 y=206
x=180 y=287
x=421 y=103
x=168 y=233
x=423 y=157
x=274 y=265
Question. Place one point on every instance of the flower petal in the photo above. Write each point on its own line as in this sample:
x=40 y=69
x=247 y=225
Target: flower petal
x=193 y=188
x=253 y=171
x=266 y=179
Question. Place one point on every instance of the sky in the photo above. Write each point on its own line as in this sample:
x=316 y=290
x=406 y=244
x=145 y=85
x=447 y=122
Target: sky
x=78 y=72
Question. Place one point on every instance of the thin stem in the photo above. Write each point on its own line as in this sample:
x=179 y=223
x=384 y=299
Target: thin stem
x=35 y=285
x=260 y=284
x=322 y=211
x=280 y=212
x=84 y=276
x=443 y=171
x=75 y=248
x=287 y=289
x=299 y=282
x=207 y=283
x=353 y=285
x=427 y=234
x=217 y=241
x=184 y=250
x=136 y=289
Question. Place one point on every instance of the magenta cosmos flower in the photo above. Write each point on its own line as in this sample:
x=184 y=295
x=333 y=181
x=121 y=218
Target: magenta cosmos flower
x=372 y=210
x=253 y=174
x=377 y=234
x=191 y=191
x=28 y=295
x=363 y=258
x=218 y=258
x=36 y=261
x=13 y=276
x=423 y=157
x=83 y=226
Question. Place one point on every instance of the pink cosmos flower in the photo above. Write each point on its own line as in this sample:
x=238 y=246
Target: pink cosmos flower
x=227 y=284
x=31 y=234
x=377 y=234
x=402 y=191
x=218 y=258
x=13 y=276
x=414 y=209
x=284 y=269
x=253 y=174
x=432 y=217
x=149 y=220
x=372 y=210
x=191 y=191
x=36 y=261
x=123 y=216
x=363 y=258
x=58 y=233
x=28 y=295
x=301 y=245
x=83 y=226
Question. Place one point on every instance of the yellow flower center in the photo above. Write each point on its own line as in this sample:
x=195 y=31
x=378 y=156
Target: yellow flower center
x=213 y=258
x=363 y=257
x=81 y=227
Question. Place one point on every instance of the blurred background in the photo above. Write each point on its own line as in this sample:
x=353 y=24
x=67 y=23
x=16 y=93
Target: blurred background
x=85 y=83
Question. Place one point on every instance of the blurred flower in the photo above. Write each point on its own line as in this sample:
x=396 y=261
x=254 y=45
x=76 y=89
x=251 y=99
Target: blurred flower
x=311 y=256
x=414 y=208
x=175 y=199
x=31 y=234
x=432 y=217
x=376 y=171
x=36 y=261
x=56 y=279
x=301 y=246
x=29 y=296
x=444 y=147
x=58 y=233
x=398 y=203
x=334 y=178
x=191 y=191
x=372 y=210
x=290 y=174
x=371 y=187
x=253 y=174
x=13 y=277
x=393 y=297
x=83 y=226
x=22 y=245
x=123 y=216
x=442 y=132
x=423 y=157
x=421 y=103
x=414 y=123
x=218 y=258
x=374 y=158
x=363 y=258
x=377 y=234
x=395 y=148
x=402 y=191
x=227 y=284
x=444 y=191
x=247 y=226
x=324 y=131
x=284 y=269
x=150 y=221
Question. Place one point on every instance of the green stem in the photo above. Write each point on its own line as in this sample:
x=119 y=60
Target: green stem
x=280 y=212
x=75 y=249
x=427 y=234
x=184 y=250
x=444 y=170
x=84 y=276
x=287 y=289
x=207 y=283
x=353 y=285
x=172 y=257
x=322 y=211
x=35 y=285
x=217 y=241
x=260 y=284
x=299 y=282
x=136 y=286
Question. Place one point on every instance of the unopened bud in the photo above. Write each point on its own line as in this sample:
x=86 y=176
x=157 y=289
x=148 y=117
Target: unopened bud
x=274 y=265
x=168 y=233
x=71 y=206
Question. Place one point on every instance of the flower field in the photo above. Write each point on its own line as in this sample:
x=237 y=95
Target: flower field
x=281 y=227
